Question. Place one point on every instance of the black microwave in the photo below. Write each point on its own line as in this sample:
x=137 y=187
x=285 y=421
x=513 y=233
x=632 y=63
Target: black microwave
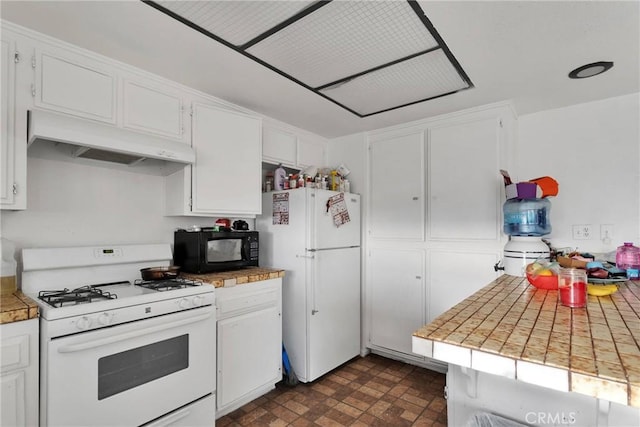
x=208 y=251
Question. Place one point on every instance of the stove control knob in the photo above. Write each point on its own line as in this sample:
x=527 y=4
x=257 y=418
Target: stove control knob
x=197 y=301
x=184 y=303
x=104 y=319
x=83 y=323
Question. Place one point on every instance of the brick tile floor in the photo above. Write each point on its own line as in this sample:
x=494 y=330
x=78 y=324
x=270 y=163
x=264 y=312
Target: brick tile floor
x=370 y=391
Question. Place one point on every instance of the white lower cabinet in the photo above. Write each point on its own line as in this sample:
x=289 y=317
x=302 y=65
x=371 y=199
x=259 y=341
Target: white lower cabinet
x=19 y=373
x=397 y=300
x=249 y=333
x=396 y=202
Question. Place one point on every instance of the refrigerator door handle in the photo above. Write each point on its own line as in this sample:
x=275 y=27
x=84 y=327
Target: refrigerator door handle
x=331 y=249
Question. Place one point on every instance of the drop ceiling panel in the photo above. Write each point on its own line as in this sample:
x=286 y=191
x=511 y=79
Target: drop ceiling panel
x=417 y=79
x=365 y=56
x=344 y=38
x=237 y=22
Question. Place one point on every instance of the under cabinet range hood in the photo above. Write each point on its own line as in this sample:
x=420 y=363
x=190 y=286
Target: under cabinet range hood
x=91 y=140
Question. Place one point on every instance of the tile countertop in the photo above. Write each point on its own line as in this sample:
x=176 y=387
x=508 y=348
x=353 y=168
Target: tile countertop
x=236 y=277
x=16 y=307
x=512 y=329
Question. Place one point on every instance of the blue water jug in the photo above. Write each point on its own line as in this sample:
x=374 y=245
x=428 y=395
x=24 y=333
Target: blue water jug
x=527 y=217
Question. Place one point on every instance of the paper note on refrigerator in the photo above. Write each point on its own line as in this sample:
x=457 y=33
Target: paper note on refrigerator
x=338 y=209
x=281 y=208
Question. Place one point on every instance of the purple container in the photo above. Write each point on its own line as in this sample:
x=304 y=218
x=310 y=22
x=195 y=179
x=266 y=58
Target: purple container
x=527 y=190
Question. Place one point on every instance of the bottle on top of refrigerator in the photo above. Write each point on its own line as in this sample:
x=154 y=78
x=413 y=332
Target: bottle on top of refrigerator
x=628 y=258
x=280 y=176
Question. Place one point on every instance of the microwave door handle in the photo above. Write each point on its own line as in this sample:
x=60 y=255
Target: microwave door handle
x=72 y=348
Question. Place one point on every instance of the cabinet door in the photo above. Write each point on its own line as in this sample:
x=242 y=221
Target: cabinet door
x=464 y=184
x=396 y=209
x=152 y=109
x=7 y=141
x=249 y=354
x=226 y=175
x=278 y=146
x=13 y=408
x=449 y=283
x=75 y=84
x=310 y=153
x=396 y=289
x=19 y=373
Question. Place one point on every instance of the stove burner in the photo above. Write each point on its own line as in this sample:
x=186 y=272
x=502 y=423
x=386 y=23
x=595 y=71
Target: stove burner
x=166 y=284
x=82 y=295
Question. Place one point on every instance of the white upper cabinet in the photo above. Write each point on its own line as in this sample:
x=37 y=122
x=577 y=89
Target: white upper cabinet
x=292 y=149
x=226 y=176
x=7 y=143
x=152 y=109
x=463 y=180
x=225 y=179
x=16 y=77
x=396 y=202
x=72 y=83
x=278 y=146
x=310 y=152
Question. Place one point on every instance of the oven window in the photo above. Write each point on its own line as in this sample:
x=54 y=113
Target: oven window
x=223 y=250
x=123 y=371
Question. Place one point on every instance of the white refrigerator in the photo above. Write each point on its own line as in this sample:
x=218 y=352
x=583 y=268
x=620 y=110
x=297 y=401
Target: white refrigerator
x=315 y=236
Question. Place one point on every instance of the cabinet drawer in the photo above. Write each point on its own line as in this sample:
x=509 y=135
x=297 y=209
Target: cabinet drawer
x=242 y=303
x=15 y=353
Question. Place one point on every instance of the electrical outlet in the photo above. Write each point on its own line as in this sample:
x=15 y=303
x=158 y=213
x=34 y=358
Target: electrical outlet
x=582 y=232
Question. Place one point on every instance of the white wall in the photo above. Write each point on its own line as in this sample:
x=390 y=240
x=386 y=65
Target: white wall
x=593 y=151
x=73 y=204
x=351 y=151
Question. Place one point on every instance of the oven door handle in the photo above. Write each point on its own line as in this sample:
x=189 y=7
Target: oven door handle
x=71 y=348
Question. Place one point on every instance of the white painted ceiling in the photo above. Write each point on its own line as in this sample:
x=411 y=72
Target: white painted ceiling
x=512 y=50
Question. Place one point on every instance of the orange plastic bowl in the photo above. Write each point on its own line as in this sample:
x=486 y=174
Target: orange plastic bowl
x=543 y=282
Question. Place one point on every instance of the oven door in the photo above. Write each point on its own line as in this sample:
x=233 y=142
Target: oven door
x=133 y=373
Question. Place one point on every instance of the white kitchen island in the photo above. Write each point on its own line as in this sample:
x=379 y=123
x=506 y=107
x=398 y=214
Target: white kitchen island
x=514 y=351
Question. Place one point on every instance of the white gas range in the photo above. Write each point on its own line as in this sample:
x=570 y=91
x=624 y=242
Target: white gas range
x=116 y=350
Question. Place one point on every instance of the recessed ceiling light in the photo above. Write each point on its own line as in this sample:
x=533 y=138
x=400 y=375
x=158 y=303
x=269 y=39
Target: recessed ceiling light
x=590 y=70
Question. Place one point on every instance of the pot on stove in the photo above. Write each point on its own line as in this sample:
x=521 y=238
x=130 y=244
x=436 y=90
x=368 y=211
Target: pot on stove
x=160 y=273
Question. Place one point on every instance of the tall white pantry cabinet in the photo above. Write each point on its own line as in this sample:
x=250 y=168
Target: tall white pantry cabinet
x=434 y=220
